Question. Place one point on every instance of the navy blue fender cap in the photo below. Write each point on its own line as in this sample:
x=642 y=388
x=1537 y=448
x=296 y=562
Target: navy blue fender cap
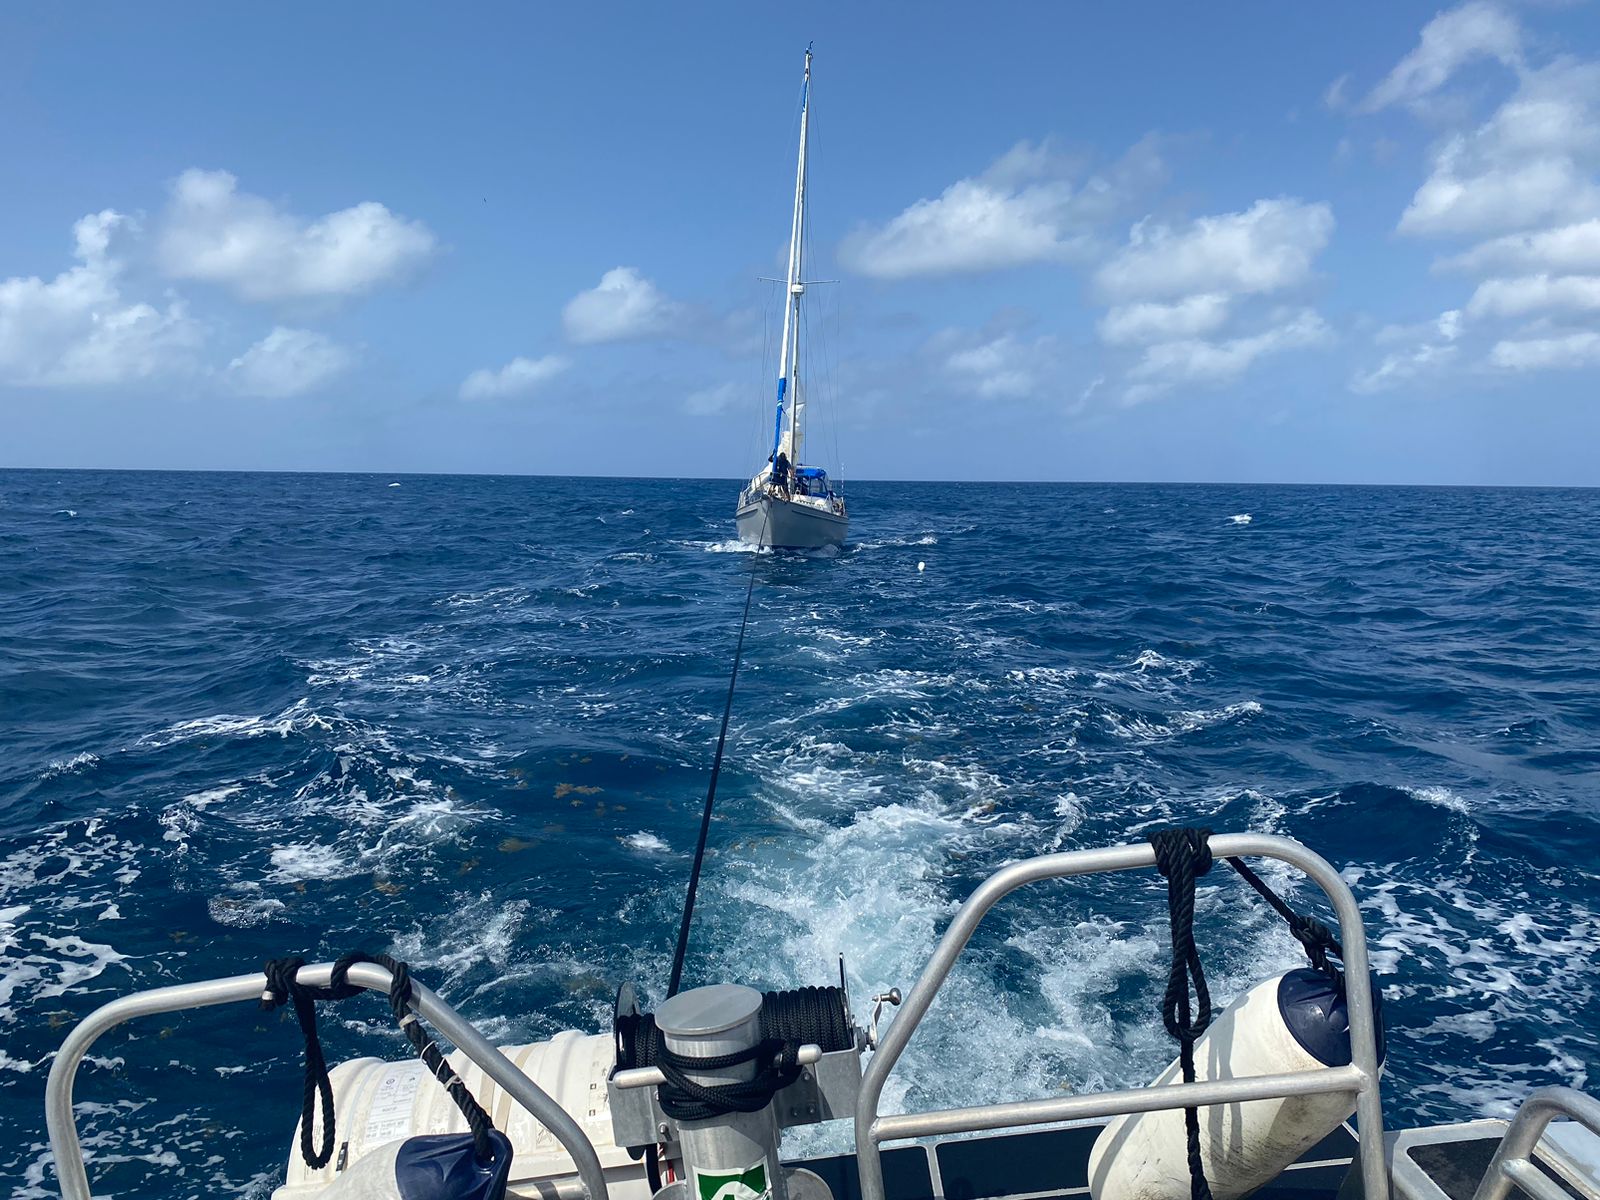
x=445 y=1166
x=1313 y=1008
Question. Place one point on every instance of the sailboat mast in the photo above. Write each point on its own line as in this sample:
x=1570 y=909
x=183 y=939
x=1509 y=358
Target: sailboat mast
x=789 y=366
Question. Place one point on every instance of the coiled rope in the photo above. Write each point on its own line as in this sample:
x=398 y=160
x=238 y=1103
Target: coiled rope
x=803 y=1016
x=283 y=987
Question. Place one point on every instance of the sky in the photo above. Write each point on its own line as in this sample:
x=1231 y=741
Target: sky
x=1252 y=242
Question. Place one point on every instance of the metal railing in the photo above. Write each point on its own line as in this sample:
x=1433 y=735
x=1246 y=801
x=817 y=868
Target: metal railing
x=1513 y=1159
x=59 y=1119
x=1361 y=1076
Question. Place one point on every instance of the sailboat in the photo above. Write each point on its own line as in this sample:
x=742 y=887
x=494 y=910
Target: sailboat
x=788 y=505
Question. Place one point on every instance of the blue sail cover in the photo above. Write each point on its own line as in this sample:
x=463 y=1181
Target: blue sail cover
x=777 y=424
x=811 y=473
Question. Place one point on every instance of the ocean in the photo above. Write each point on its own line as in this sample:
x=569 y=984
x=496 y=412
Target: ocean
x=468 y=721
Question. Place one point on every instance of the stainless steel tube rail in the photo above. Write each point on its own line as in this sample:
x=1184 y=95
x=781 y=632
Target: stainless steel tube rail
x=1361 y=1076
x=63 y=1127
x=1513 y=1159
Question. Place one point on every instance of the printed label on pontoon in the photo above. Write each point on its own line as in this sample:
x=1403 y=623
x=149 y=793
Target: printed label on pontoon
x=748 y=1184
x=390 y=1115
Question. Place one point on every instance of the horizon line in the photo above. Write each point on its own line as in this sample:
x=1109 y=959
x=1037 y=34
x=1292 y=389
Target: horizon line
x=735 y=479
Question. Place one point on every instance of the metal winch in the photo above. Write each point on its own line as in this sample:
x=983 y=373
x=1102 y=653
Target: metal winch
x=704 y=1087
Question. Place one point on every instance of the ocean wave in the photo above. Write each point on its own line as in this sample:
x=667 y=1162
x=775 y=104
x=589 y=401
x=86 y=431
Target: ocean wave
x=1441 y=797
x=297 y=718
x=1142 y=729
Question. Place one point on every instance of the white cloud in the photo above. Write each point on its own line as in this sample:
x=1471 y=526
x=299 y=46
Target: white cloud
x=1573 y=247
x=1150 y=321
x=1432 y=348
x=1177 y=288
x=1002 y=368
x=215 y=233
x=1205 y=363
x=625 y=306
x=78 y=330
x=712 y=401
x=1564 y=352
x=517 y=378
x=1522 y=183
x=1449 y=42
x=1021 y=210
x=1422 y=359
x=288 y=362
x=1269 y=246
x=1533 y=293
x=1460 y=199
x=1530 y=165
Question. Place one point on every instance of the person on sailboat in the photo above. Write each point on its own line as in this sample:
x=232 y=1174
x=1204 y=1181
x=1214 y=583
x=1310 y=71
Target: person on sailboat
x=780 y=473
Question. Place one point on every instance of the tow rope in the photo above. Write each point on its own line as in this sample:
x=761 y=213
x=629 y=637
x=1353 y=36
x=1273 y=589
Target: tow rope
x=1182 y=856
x=716 y=770
x=283 y=987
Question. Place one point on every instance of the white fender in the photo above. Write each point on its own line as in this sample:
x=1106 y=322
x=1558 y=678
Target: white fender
x=420 y=1168
x=370 y=1178
x=379 y=1103
x=1144 y=1156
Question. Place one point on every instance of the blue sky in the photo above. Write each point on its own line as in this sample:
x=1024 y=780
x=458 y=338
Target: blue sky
x=1251 y=242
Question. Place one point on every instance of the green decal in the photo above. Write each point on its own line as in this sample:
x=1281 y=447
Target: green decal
x=749 y=1184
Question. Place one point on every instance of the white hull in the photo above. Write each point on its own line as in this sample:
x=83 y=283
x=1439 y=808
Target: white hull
x=789 y=524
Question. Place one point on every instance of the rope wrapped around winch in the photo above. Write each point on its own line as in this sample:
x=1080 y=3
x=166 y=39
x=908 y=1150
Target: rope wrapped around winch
x=283 y=987
x=816 y=1016
x=1182 y=856
x=683 y=1099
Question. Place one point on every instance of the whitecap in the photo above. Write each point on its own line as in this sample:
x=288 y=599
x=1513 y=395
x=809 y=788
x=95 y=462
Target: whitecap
x=213 y=795
x=1240 y=518
x=645 y=843
x=243 y=913
x=69 y=766
x=1440 y=797
x=306 y=860
x=297 y=718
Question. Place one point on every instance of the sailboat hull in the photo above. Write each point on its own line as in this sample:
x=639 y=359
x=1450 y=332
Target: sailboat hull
x=789 y=525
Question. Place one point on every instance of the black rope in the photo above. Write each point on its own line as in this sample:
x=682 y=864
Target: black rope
x=1183 y=855
x=1315 y=937
x=283 y=987
x=805 y=1016
x=683 y=1099
x=711 y=791
x=808 y=1015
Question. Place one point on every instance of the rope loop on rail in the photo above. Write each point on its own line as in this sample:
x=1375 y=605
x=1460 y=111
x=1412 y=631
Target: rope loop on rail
x=283 y=987
x=1182 y=855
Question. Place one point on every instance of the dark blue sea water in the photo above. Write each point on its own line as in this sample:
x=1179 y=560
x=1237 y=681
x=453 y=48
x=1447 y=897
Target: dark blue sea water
x=469 y=720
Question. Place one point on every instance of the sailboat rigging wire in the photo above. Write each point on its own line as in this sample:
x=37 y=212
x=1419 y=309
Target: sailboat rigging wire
x=716 y=770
